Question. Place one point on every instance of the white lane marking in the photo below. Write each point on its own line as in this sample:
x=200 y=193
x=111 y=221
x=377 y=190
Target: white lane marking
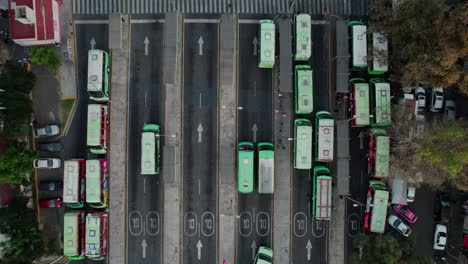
x=143 y=246
x=83 y=22
x=200 y=46
x=200 y=131
x=147 y=21
x=146 y=42
x=197 y=20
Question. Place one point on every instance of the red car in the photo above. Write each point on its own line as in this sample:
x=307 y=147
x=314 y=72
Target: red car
x=404 y=211
x=50 y=203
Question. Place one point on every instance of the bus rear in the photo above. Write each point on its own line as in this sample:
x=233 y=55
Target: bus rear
x=321 y=193
x=304 y=103
x=96 y=235
x=73 y=235
x=379 y=153
x=97 y=129
x=150 y=152
x=98 y=75
x=74 y=183
x=96 y=183
x=358 y=44
x=324 y=136
x=380 y=102
x=302 y=144
x=379 y=62
x=266 y=167
x=267 y=44
x=303 y=37
x=359 y=102
x=245 y=167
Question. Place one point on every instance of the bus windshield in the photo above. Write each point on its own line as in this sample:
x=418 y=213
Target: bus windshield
x=303 y=37
x=97 y=128
x=324 y=134
x=73 y=231
x=304 y=89
x=96 y=183
x=359 y=102
x=302 y=144
x=245 y=168
x=358 y=44
x=74 y=183
x=98 y=75
x=267 y=44
x=150 y=156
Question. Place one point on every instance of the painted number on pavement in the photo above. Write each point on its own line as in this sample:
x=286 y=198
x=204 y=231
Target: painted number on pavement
x=263 y=224
x=245 y=224
x=300 y=224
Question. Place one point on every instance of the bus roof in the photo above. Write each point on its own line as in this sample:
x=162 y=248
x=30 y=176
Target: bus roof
x=304 y=86
x=267 y=43
x=70 y=234
x=71 y=181
x=151 y=128
x=361 y=104
x=266 y=168
x=93 y=235
x=148 y=151
x=245 y=167
x=94 y=125
x=303 y=37
x=382 y=103
x=359 y=45
x=303 y=144
x=382 y=156
x=323 y=196
x=325 y=138
x=95 y=64
x=93 y=181
x=379 y=52
x=379 y=211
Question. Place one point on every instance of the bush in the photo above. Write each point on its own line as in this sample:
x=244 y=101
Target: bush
x=45 y=56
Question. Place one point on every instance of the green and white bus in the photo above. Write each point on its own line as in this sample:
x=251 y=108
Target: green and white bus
x=380 y=102
x=266 y=167
x=359 y=102
x=97 y=130
x=303 y=37
x=358 y=44
x=96 y=183
x=324 y=136
x=304 y=103
x=321 y=193
x=96 y=235
x=267 y=44
x=150 y=149
x=378 y=64
x=245 y=167
x=98 y=75
x=73 y=235
x=302 y=144
x=379 y=153
x=375 y=215
x=74 y=183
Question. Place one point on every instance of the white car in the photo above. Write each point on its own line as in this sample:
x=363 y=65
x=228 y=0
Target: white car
x=411 y=192
x=399 y=225
x=440 y=237
x=420 y=94
x=49 y=163
x=46 y=131
x=437 y=99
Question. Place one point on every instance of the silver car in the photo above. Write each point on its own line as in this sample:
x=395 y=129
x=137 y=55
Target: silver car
x=450 y=109
x=47 y=131
x=48 y=163
x=399 y=225
x=437 y=99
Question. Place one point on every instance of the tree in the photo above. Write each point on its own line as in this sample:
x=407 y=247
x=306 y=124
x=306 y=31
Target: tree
x=376 y=249
x=4 y=53
x=18 y=224
x=45 y=56
x=16 y=164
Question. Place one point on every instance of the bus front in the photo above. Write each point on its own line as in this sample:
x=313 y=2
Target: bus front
x=324 y=134
x=73 y=230
x=98 y=75
x=359 y=102
x=74 y=183
x=358 y=44
x=96 y=235
x=302 y=144
x=379 y=62
x=267 y=44
x=380 y=102
x=150 y=152
x=303 y=37
x=97 y=132
x=96 y=183
x=304 y=89
x=321 y=193
x=245 y=167
x=266 y=167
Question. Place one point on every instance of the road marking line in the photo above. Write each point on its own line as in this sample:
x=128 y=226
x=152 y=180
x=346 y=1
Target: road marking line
x=144 y=21
x=91 y=22
x=248 y=21
x=197 y=20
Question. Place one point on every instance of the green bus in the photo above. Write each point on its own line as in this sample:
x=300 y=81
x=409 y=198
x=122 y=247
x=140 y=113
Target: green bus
x=321 y=193
x=267 y=44
x=359 y=102
x=98 y=75
x=378 y=64
x=380 y=102
x=73 y=235
x=245 y=167
x=266 y=167
x=379 y=153
x=97 y=130
x=303 y=37
x=358 y=44
x=150 y=149
x=375 y=215
x=74 y=182
x=96 y=235
x=96 y=183
x=304 y=103
x=302 y=144
x=324 y=136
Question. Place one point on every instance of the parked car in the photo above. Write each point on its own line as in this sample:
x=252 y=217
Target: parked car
x=46 y=131
x=50 y=203
x=399 y=225
x=450 y=109
x=264 y=256
x=411 y=193
x=420 y=94
x=50 y=186
x=406 y=213
x=47 y=163
x=50 y=146
x=437 y=99
x=440 y=237
x=443 y=208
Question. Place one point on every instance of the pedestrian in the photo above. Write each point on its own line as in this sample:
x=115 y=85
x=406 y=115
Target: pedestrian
x=284 y=114
x=276 y=110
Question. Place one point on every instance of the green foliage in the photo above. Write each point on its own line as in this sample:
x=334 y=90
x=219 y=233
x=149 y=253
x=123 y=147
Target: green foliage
x=16 y=163
x=376 y=249
x=45 y=56
x=19 y=225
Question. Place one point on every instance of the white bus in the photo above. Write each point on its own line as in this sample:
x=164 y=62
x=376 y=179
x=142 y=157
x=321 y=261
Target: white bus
x=358 y=43
x=98 y=75
x=324 y=130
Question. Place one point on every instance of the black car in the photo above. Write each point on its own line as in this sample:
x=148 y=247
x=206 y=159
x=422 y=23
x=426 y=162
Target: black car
x=443 y=208
x=50 y=146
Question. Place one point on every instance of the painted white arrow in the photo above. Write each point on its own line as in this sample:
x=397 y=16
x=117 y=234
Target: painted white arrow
x=254 y=249
x=255 y=44
x=143 y=246
x=199 y=247
x=254 y=130
x=92 y=42
x=200 y=131
x=308 y=247
x=200 y=46
x=146 y=42
x=361 y=137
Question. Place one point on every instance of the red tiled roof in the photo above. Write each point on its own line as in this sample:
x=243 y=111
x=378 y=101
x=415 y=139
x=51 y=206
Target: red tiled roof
x=44 y=26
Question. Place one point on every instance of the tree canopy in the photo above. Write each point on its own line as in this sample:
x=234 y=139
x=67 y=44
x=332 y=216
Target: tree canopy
x=45 y=56
x=16 y=163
